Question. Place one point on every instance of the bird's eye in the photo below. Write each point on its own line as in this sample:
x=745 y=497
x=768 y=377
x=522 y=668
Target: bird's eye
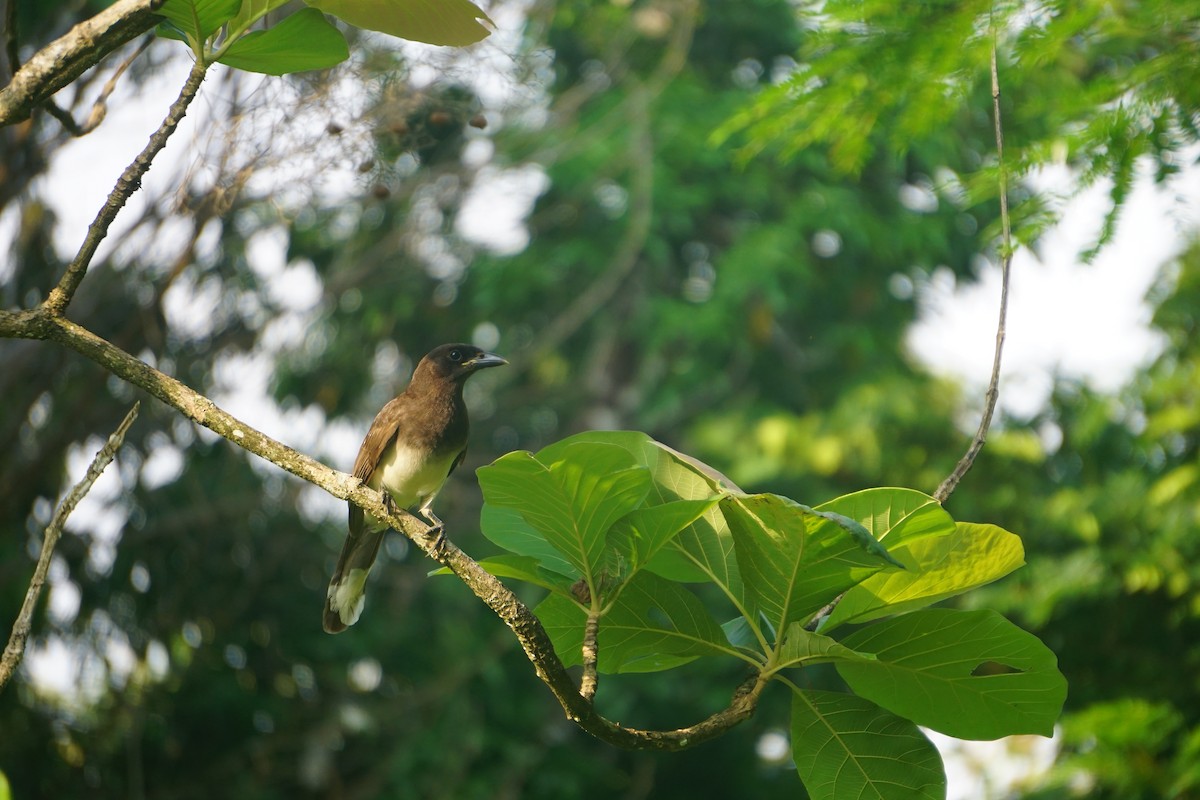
x=456 y=356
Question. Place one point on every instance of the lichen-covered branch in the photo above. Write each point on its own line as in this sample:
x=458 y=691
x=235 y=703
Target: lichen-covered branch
x=591 y=653
x=15 y=649
x=65 y=59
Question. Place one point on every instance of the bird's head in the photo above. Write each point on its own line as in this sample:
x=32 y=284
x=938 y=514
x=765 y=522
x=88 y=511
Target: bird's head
x=456 y=362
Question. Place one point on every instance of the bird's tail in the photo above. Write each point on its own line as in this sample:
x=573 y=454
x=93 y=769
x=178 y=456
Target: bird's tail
x=344 y=601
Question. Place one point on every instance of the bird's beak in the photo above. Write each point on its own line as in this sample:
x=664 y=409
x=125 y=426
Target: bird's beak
x=486 y=360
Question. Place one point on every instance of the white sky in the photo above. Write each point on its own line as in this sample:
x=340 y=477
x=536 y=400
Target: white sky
x=1086 y=321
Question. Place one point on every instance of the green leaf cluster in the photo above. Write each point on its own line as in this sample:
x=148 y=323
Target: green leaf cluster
x=620 y=528
x=1095 y=85
x=222 y=31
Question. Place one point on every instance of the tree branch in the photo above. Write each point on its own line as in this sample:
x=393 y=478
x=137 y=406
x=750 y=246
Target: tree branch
x=46 y=322
x=129 y=182
x=62 y=61
x=15 y=649
x=591 y=631
x=993 y=391
x=41 y=324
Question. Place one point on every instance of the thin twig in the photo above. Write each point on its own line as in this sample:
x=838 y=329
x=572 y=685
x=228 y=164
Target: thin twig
x=591 y=630
x=20 y=630
x=100 y=106
x=993 y=391
x=948 y=485
x=129 y=182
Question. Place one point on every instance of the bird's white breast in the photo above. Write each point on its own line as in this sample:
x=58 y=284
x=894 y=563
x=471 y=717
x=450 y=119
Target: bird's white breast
x=410 y=475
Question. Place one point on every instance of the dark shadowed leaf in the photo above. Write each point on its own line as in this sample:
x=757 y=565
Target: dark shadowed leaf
x=654 y=625
x=508 y=529
x=847 y=747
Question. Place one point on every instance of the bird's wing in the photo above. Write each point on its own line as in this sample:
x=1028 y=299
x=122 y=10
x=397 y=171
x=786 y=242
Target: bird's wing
x=458 y=459
x=381 y=433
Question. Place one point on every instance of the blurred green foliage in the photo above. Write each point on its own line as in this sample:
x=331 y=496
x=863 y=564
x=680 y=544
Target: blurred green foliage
x=750 y=311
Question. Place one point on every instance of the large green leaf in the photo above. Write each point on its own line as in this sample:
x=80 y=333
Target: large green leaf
x=676 y=476
x=639 y=446
x=794 y=560
x=701 y=551
x=941 y=566
x=447 y=22
x=847 y=747
x=253 y=10
x=199 y=18
x=654 y=624
x=968 y=674
x=641 y=534
x=303 y=41
x=508 y=529
x=572 y=502
x=675 y=563
x=713 y=478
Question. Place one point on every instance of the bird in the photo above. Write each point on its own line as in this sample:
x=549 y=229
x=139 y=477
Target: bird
x=412 y=446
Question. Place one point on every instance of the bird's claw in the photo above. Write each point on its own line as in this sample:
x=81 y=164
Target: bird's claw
x=439 y=544
x=436 y=525
x=389 y=503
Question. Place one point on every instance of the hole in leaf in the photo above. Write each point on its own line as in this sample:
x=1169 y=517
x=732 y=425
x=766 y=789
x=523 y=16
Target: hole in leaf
x=994 y=668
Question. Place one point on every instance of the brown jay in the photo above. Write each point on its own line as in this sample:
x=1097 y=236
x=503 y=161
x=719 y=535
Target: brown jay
x=413 y=445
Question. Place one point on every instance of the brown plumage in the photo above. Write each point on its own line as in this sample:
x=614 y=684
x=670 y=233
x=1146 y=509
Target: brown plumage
x=413 y=445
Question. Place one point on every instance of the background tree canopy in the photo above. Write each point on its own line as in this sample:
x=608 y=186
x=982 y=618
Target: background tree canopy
x=718 y=253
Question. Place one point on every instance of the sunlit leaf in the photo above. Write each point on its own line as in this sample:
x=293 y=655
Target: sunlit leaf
x=897 y=515
x=847 y=747
x=252 y=10
x=702 y=551
x=968 y=674
x=447 y=22
x=942 y=566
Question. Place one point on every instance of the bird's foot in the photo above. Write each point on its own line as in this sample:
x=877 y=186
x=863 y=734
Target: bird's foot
x=389 y=503
x=435 y=524
x=439 y=544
